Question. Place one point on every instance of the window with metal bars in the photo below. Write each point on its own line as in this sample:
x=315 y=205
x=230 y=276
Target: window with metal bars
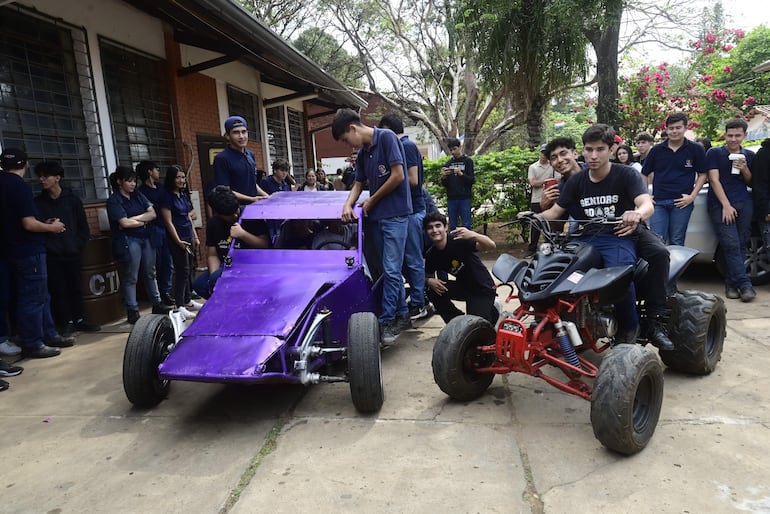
x=241 y=103
x=47 y=100
x=139 y=103
x=297 y=138
x=276 y=133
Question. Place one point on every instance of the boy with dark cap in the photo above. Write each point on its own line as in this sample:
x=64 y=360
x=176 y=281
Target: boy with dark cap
x=63 y=251
x=24 y=245
x=236 y=166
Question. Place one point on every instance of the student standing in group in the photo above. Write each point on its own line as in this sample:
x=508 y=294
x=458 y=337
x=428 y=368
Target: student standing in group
x=458 y=176
x=672 y=167
x=148 y=174
x=175 y=209
x=64 y=251
x=236 y=166
x=24 y=245
x=130 y=213
x=537 y=175
x=381 y=161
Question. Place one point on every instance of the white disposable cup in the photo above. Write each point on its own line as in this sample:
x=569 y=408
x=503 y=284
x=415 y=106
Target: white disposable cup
x=736 y=157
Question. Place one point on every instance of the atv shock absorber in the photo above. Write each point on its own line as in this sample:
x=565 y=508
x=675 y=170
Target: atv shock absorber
x=570 y=355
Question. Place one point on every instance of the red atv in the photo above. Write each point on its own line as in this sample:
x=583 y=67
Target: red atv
x=565 y=309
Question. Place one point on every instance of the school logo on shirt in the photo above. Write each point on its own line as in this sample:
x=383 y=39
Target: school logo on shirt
x=456 y=267
x=688 y=163
x=382 y=170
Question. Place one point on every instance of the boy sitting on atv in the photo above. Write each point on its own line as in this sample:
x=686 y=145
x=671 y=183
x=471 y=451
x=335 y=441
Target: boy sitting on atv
x=608 y=190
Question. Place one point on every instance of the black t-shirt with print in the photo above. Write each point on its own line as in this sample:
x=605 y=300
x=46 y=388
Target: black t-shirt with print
x=218 y=233
x=460 y=259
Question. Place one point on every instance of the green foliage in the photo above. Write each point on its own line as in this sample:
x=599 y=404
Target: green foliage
x=324 y=50
x=501 y=189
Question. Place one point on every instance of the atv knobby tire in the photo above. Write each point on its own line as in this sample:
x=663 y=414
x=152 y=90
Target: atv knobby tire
x=456 y=357
x=364 y=363
x=697 y=329
x=626 y=399
x=147 y=347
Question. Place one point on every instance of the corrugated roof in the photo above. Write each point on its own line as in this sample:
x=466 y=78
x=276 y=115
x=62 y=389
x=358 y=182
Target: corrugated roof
x=225 y=27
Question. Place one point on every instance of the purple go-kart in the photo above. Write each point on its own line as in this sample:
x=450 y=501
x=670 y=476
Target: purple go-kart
x=301 y=312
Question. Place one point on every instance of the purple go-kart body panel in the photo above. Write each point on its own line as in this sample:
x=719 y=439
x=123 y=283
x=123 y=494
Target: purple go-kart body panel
x=264 y=302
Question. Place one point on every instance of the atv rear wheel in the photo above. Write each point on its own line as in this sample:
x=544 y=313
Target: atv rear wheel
x=148 y=345
x=626 y=399
x=698 y=327
x=456 y=357
x=364 y=363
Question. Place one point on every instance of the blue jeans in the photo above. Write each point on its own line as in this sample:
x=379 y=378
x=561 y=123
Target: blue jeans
x=616 y=251
x=733 y=239
x=142 y=255
x=459 y=208
x=389 y=238
x=204 y=284
x=5 y=289
x=34 y=323
x=670 y=222
x=414 y=265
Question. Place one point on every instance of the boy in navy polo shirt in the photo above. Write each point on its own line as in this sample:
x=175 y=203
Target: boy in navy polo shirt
x=381 y=161
x=671 y=167
x=235 y=166
x=731 y=207
x=278 y=180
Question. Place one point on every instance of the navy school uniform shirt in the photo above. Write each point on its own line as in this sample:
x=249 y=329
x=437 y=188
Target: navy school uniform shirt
x=237 y=170
x=17 y=202
x=270 y=186
x=414 y=158
x=614 y=195
x=675 y=172
x=118 y=207
x=374 y=164
x=735 y=188
x=180 y=207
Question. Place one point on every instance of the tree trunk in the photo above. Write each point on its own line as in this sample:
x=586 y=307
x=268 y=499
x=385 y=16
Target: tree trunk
x=605 y=40
x=535 y=122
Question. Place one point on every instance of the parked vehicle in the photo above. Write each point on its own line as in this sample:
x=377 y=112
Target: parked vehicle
x=276 y=315
x=566 y=309
x=701 y=237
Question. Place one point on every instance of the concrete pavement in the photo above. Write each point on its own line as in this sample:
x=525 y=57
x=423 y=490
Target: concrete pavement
x=72 y=443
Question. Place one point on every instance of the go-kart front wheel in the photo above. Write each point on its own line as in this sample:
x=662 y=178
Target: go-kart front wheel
x=147 y=347
x=626 y=399
x=456 y=357
x=364 y=363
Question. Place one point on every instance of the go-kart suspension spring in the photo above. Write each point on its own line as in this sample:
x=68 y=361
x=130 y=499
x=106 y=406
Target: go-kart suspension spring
x=570 y=355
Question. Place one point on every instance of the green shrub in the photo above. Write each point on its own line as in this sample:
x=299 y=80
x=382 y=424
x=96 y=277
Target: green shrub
x=501 y=189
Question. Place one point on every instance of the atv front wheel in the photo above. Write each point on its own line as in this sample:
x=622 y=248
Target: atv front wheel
x=698 y=327
x=456 y=357
x=626 y=399
x=148 y=345
x=364 y=363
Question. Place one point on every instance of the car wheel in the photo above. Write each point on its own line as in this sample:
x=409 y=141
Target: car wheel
x=626 y=398
x=364 y=362
x=148 y=345
x=757 y=261
x=456 y=356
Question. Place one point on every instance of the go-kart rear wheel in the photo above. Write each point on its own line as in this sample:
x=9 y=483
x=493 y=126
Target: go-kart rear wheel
x=456 y=357
x=698 y=329
x=626 y=399
x=147 y=347
x=364 y=363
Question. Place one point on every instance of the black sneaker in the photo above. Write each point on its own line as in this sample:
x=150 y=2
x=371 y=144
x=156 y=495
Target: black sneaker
x=167 y=299
x=84 y=326
x=747 y=294
x=388 y=332
x=732 y=293
x=133 y=317
x=418 y=312
x=194 y=295
x=59 y=341
x=161 y=309
x=4 y=385
x=41 y=352
x=7 y=370
x=403 y=323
